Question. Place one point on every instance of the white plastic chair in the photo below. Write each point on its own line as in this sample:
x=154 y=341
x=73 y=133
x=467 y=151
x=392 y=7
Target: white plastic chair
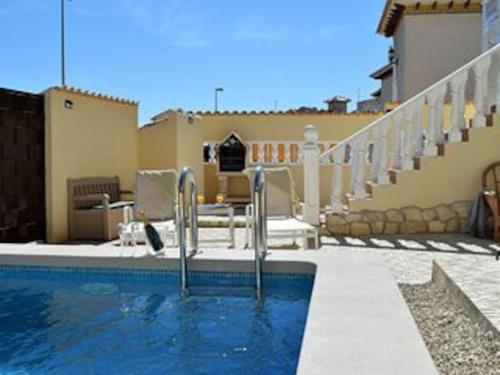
x=156 y=195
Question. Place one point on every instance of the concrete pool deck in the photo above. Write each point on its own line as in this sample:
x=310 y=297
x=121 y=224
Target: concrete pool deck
x=358 y=321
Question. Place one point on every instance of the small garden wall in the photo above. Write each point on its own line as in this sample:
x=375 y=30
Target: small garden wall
x=444 y=218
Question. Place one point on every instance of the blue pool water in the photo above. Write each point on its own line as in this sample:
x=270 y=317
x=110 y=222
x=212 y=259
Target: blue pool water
x=95 y=321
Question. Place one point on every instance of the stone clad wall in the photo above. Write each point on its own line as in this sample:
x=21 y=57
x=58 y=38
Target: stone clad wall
x=445 y=218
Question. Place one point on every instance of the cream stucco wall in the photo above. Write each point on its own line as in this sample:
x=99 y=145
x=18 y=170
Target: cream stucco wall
x=97 y=137
x=174 y=140
x=283 y=127
x=431 y=46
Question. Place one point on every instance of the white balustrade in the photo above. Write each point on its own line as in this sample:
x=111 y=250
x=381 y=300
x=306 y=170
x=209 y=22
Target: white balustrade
x=402 y=135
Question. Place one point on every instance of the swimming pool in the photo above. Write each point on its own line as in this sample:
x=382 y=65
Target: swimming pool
x=114 y=321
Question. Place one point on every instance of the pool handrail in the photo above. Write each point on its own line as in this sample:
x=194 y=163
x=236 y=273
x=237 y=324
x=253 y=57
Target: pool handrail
x=187 y=174
x=259 y=225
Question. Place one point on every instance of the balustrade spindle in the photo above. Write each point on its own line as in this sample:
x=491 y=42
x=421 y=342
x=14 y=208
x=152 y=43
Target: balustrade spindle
x=418 y=144
x=300 y=155
x=434 y=136
x=377 y=145
x=383 y=163
x=358 y=189
x=287 y=153
x=457 y=90
x=407 y=138
x=396 y=147
x=211 y=153
x=481 y=69
x=337 y=188
x=261 y=152
x=274 y=153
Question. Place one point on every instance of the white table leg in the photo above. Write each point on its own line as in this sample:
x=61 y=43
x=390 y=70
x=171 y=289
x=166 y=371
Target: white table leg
x=231 y=228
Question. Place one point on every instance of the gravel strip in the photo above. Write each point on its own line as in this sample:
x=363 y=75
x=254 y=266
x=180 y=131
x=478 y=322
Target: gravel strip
x=458 y=345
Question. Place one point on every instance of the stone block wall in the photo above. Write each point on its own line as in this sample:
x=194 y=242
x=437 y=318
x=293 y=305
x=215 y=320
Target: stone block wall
x=444 y=218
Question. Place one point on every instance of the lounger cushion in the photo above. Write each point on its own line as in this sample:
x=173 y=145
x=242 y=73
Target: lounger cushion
x=280 y=191
x=156 y=194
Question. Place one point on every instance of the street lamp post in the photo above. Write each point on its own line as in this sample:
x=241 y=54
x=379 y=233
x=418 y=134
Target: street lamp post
x=217 y=90
x=63 y=42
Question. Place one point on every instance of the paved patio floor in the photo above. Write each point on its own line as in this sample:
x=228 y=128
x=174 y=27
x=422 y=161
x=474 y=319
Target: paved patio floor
x=469 y=261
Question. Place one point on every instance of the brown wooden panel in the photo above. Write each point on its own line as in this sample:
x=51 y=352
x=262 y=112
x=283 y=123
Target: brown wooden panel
x=22 y=184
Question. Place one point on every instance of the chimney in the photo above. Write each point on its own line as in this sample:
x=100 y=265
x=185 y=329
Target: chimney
x=337 y=104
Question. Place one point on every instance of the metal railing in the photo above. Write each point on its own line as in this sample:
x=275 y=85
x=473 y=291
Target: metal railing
x=259 y=225
x=187 y=174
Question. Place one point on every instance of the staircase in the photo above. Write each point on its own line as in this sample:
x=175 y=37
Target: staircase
x=417 y=169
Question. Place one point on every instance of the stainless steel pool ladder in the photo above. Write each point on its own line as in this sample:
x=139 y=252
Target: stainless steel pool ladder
x=187 y=174
x=259 y=225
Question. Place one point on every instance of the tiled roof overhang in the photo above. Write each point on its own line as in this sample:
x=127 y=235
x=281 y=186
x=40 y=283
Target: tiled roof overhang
x=382 y=72
x=394 y=9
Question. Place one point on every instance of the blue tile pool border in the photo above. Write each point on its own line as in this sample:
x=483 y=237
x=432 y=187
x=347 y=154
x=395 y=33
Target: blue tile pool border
x=203 y=278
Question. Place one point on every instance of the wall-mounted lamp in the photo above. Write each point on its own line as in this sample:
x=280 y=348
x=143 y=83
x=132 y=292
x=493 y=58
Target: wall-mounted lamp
x=393 y=59
x=68 y=104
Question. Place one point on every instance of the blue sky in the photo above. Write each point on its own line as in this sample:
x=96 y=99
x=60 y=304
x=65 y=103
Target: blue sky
x=173 y=53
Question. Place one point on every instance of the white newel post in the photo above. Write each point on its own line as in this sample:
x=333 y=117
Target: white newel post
x=310 y=152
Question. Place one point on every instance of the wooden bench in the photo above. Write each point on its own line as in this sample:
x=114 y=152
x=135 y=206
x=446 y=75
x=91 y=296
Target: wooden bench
x=95 y=208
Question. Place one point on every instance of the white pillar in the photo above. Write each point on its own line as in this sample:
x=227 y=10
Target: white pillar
x=310 y=152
